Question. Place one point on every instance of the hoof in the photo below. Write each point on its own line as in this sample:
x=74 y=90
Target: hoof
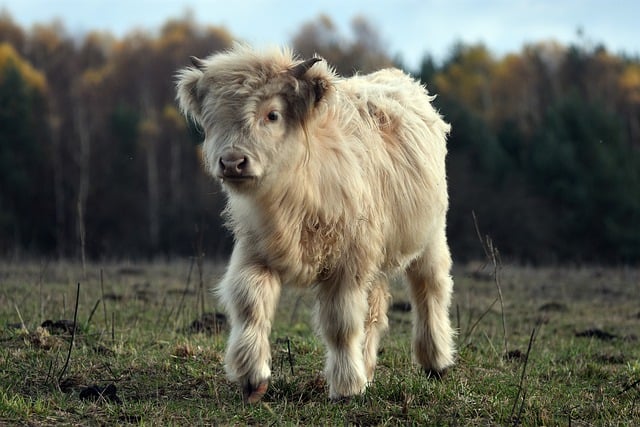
x=341 y=400
x=253 y=394
x=435 y=374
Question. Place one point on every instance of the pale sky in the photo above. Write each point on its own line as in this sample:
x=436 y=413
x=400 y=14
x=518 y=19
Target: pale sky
x=409 y=28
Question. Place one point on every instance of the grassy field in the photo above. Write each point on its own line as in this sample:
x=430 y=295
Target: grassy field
x=561 y=347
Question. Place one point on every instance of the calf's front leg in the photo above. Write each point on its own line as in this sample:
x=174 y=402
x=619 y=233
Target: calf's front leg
x=249 y=292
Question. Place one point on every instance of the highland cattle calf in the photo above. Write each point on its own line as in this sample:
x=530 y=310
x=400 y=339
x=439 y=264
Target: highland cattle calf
x=332 y=183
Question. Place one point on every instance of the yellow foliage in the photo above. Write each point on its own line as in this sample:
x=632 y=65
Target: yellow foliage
x=32 y=77
x=510 y=83
x=550 y=52
x=49 y=36
x=173 y=35
x=149 y=128
x=221 y=34
x=468 y=78
x=509 y=67
x=94 y=77
x=171 y=115
x=629 y=83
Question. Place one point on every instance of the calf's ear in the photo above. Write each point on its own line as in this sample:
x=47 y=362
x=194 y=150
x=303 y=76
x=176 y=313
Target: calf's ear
x=187 y=81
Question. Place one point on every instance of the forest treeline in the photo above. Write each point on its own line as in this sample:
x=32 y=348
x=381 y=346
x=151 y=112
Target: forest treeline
x=95 y=157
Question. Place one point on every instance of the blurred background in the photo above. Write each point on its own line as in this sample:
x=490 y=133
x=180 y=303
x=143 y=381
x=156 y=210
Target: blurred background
x=543 y=96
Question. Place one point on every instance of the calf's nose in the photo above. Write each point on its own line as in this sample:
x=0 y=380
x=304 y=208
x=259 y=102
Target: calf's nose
x=233 y=164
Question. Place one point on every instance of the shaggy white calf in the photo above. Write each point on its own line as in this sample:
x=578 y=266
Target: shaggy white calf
x=332 y=183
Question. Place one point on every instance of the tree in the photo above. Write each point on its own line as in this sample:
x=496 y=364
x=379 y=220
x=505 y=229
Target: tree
x=544 y=147
x=629 y=87
x=24 y=175
x=592 y=178
x=363 y=52
x=466 y=76
x=53 y=53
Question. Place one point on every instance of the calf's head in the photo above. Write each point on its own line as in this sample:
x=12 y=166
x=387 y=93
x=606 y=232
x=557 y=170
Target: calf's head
x=254 y=109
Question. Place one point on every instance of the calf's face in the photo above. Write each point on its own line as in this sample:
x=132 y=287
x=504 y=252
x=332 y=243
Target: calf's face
x=250 y=142
x=253 y=116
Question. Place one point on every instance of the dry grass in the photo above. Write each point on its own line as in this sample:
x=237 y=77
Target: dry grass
x=572 y=351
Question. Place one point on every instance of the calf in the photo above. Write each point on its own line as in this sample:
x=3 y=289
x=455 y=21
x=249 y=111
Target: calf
x=332 y=183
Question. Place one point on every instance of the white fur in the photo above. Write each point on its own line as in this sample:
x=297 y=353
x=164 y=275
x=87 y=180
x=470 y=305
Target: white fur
x=348 y=186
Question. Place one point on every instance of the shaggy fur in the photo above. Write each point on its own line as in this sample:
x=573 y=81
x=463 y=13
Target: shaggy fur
x=333 y=183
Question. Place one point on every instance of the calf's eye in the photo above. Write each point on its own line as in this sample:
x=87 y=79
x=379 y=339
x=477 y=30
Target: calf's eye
x=273 y=116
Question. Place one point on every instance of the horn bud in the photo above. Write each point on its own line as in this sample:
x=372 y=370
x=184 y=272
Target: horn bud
x=198 y=63
x=299 y=70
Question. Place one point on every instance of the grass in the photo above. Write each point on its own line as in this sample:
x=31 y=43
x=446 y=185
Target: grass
x=572 y=353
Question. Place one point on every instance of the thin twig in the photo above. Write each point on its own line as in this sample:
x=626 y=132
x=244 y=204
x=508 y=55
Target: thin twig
x=40 y=282
x=73 y=335
x=186 y=289
x=22 y=325
x=522 y=376
x=199 y=255
x=521 y=410
x=290 y=355
x=491 y=344
x=46 y=381
x=473 y=327
x=493 y=256
x=168 y=316
x=629 y=387
x=104 y=301
x=93 y=310
x=497 y=265
x=200 y=260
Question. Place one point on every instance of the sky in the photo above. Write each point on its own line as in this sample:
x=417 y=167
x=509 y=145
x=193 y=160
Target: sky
x=409 y=29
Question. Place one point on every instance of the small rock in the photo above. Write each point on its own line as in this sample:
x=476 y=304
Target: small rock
x=211 y=323
x=101 y=349
x=59 y=326
x=111 y=296
x=515 y=355
x=596 y=333
x=554 y=306
x=613 y=359
x=95 y=393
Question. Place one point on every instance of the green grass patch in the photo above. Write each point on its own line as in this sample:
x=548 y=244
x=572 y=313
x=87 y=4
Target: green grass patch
x=141 y=330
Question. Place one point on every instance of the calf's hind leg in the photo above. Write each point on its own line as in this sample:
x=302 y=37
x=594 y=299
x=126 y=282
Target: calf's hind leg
x=376 y=324
x=431 y=287
x=341 y=312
